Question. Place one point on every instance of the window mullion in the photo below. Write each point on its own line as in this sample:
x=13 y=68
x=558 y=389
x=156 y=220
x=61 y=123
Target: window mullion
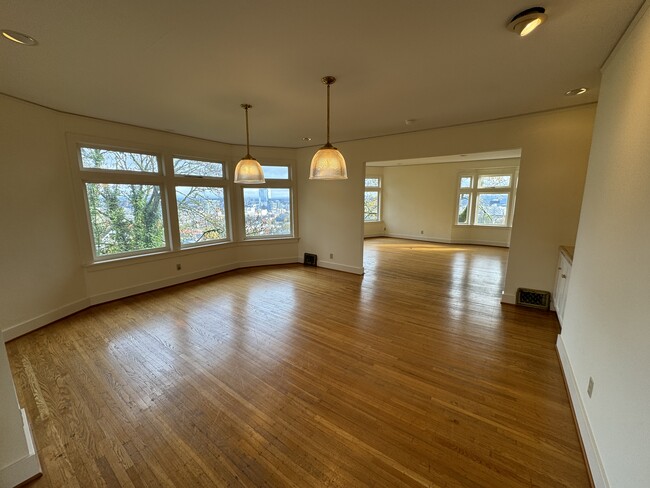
x=199 y=181
x=171 y=217
x=121 y=178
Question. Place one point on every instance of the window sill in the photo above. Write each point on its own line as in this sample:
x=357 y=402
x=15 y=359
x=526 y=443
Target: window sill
x=178 y=253
x=253 y=241
x=471 y=226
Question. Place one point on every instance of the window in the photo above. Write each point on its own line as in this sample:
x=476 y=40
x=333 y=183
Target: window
x=134 y=208
x=486 y=198
x=372 y=200
x=268 y=207
x=189 y=167
x=200 y=201
x=139 y=202
x=124 y=199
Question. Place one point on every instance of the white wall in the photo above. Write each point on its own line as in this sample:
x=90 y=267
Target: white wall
x=606 y=332
x=331 y=215
x=41 y=269
x=555 y=149
x=420 y=203
x=45 y=250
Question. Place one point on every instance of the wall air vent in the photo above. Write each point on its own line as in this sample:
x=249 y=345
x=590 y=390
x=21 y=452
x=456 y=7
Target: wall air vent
x=310 y=259
x=533 y=298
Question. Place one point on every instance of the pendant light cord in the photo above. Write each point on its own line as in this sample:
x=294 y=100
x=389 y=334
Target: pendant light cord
x=328 y=80
x=328 y=113
x=248 y=150
x=246 y=106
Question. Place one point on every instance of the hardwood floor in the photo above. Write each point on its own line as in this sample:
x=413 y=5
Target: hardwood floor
x=412 y=375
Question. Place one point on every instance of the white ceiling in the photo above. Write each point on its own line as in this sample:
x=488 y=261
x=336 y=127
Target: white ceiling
x=186 y=66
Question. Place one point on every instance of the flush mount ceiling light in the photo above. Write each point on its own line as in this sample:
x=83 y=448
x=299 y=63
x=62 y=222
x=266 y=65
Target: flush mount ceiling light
x=527 y=21
x=328 y=163
x=576 y=91
x=19 y=37
x=248 y=171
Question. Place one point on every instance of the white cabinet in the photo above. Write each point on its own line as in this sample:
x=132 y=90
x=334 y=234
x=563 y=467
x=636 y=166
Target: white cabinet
x=562 y=283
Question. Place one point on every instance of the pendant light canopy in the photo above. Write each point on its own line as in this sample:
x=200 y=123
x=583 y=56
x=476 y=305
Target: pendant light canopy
x=248 y=171
x=328 y=163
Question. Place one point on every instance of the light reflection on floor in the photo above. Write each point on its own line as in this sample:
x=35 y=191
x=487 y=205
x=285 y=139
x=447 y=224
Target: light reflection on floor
x=190 y=327
x=219 y=319
x=475 y=277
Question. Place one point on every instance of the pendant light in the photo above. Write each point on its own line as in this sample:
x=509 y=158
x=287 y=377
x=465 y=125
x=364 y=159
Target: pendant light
x=248 y=171
x=328 y=162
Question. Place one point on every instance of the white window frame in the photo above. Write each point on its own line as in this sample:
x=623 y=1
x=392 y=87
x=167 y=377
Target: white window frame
x=377 y=189
x=474 y=191
x=164 y=177
x=271 y=183
x=201 y=181
x=108 y=176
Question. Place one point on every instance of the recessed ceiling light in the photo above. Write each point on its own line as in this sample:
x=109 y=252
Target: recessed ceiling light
x=527 y=21
x=576 y=91
x=19 y=37
x=409 y=121
x=306 y=138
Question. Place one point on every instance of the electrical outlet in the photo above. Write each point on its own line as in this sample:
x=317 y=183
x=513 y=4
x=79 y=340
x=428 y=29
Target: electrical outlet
x=331 y=255
x=590 y=388
x=178 y=266
x=421 y=232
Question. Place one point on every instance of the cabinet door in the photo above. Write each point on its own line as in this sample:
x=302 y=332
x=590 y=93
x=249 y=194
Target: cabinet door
x=566 y=273
x=561 y=285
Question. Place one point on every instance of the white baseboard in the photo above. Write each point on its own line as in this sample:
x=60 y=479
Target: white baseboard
x=44 y=319
x=25 y=468
x=267 y=262
x=509 y=298
x=341 y=267
x=177 y=280
x=588 y=441
x=478 y=242
x=444 y=240
x=47 y=318
x=419 y=237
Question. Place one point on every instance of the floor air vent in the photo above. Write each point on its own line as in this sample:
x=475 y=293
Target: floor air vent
x=533 y=298
x=310 y=259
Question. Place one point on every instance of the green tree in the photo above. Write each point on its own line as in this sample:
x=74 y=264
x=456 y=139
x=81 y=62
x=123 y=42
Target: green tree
x=124 y=217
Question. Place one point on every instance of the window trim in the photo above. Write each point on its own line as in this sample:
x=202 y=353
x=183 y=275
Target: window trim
x=271 y=183
x=117 y=177
x=164 y=177
x=377 y=189
x=201 y=183
x=474 y=191
x=204 y=181
x=222 y=162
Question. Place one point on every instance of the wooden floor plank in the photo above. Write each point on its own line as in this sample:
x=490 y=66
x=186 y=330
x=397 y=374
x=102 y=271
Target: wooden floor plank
x=412 y=375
